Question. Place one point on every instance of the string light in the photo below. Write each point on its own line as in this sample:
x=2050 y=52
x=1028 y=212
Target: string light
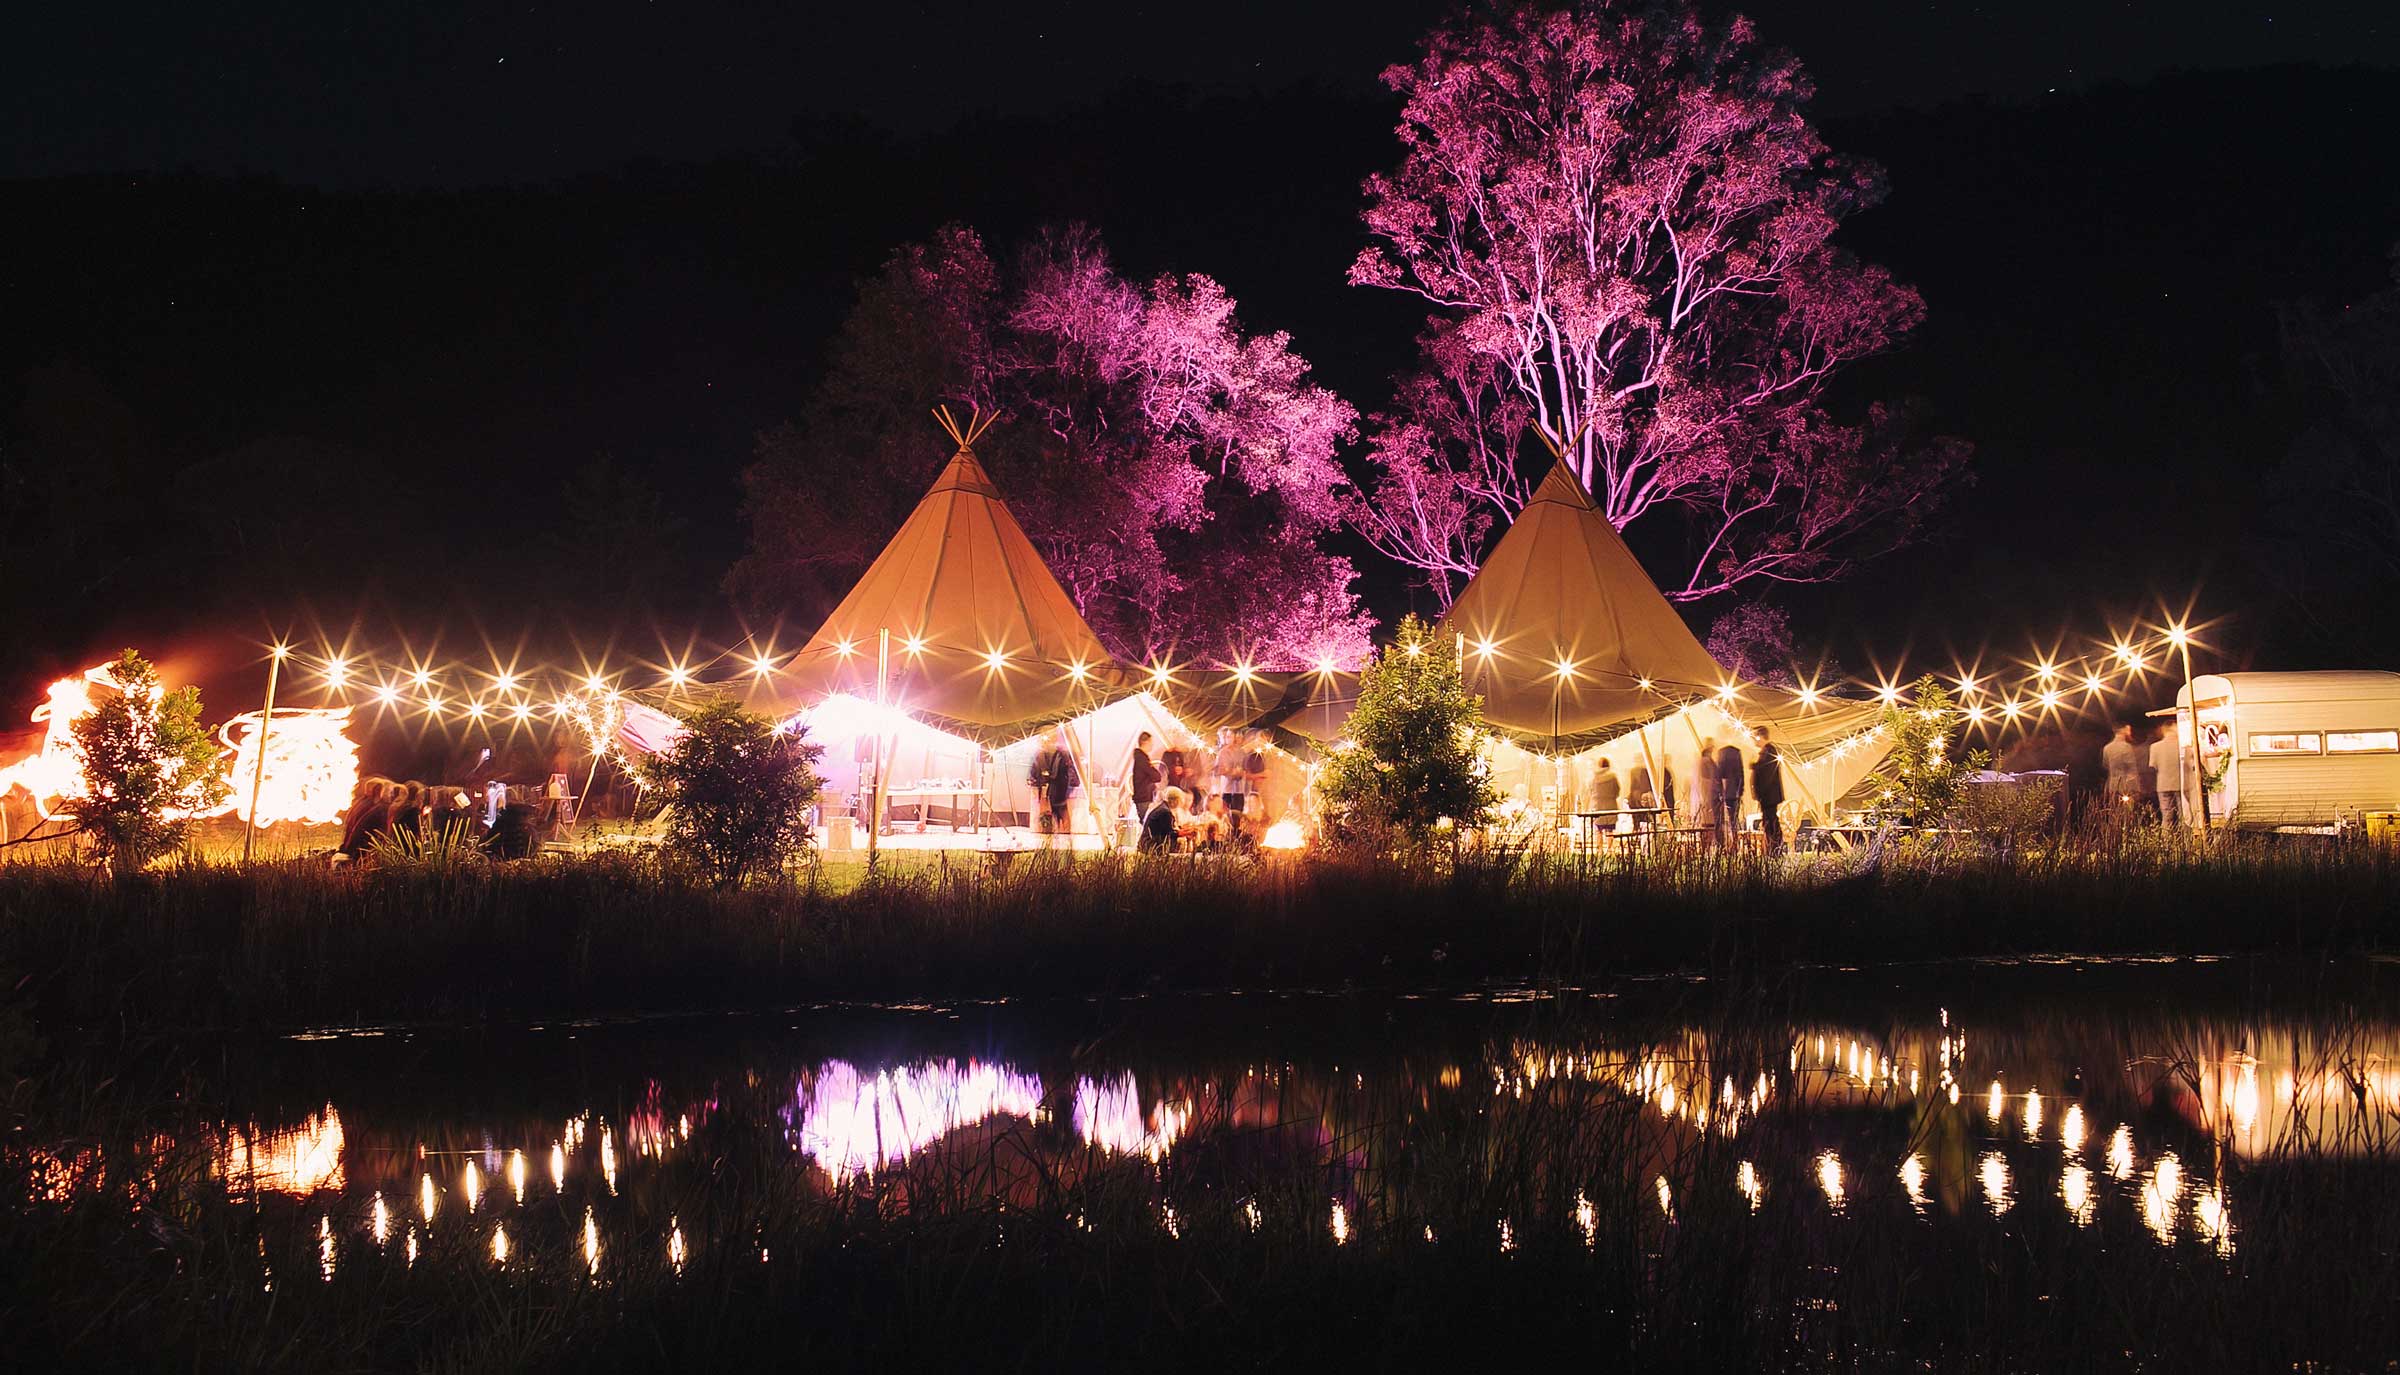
x=337 y=671
x=994 y=660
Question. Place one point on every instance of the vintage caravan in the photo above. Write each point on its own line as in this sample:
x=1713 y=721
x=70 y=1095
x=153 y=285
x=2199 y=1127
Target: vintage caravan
x=2299 y=750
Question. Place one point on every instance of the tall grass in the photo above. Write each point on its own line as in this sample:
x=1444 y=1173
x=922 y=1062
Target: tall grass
x=294 y=944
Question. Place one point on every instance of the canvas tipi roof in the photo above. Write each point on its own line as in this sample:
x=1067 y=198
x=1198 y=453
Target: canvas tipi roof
x=984 y=641
x=1561 y=588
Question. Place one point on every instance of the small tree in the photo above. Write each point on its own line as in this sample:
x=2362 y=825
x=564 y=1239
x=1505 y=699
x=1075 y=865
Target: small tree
x=1920 y=779
x=1413 y=759
x=148 y=767
x=740 y=792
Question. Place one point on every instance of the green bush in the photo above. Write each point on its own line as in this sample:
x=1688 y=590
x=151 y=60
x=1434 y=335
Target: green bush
x=148 y=767
x=1413 y=761
x=737 y=791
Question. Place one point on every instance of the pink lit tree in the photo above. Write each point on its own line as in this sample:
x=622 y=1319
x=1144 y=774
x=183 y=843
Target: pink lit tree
x=1624 y=223
x=1177 y=473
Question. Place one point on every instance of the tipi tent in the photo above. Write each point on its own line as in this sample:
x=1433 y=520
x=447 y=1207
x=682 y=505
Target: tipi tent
x=982 y=641
x=955 y=650
x=1580 y=658
x=1564 y=634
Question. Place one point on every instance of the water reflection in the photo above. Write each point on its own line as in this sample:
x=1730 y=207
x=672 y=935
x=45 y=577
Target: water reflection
x=1525 y=1125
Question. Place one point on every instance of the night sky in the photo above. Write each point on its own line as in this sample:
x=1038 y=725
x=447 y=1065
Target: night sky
x=344 y=293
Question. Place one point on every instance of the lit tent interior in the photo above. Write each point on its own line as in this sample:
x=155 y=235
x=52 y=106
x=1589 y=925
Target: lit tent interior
x=982 y=656
x=1579 y=657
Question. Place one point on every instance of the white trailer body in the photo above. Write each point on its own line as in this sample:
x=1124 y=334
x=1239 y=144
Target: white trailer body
x=2309 y=750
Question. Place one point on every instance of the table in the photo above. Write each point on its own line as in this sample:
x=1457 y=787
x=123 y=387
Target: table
x=1588 y=830
x=925 y=797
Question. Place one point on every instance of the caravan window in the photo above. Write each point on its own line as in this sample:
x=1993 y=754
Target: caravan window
x=2287 y=742
x=2362 y=742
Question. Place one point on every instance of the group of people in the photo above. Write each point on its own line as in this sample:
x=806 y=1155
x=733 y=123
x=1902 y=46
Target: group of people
x=1204 y=798
x=379 y=806
x=2147 y=780
x=1178 y=808
x=1720 y=779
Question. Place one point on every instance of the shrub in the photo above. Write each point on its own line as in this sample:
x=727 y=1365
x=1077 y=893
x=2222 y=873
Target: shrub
x=737 y=791
x=1413 y=761
x=1920 y=779
x=148 y=767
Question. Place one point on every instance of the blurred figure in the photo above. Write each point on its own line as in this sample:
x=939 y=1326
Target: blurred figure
x=1226 y=768
x=2124 y=765
x=2166 y=763
x=1162 y=822
x=1053 y=779
x=1641 y=796
x=1605 y=796
x=1766 y=784
x=1176 y=765
x=1729 y=787
x=1707 y=814
x=1254 y=779
x=370 y=812
x=1143 y=776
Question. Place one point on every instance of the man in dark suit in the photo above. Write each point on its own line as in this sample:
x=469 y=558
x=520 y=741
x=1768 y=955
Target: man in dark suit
x=1766 y=784
x=1729 y=788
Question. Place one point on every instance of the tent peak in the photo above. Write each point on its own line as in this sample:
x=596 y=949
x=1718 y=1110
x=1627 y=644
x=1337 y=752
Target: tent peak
x=1563 y=486
x=964 y=435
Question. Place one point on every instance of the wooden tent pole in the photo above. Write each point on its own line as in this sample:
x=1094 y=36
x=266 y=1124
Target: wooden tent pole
x=883 y=676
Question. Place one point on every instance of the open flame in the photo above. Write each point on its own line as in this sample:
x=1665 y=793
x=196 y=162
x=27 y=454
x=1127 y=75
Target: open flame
x=54 y=773
x=312 y=764
x=1283 y=835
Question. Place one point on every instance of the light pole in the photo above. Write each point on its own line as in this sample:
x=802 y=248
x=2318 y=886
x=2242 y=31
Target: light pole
x=258 y=770
x=2181 y=638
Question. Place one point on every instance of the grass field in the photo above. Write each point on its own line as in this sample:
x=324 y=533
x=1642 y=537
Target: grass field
x=290 y=943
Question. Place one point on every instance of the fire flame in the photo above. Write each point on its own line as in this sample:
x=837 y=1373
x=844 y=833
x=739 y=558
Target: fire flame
x=312 y=764
x=1283 y=835
x=54 y=773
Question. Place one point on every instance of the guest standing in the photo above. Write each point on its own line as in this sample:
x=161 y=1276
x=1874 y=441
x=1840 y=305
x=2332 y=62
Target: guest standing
x=1729 y=787
x=1053 y=779
x=1176 y=764
x=1144 y=775
x=2124 y=765
x=1766 y=784
x=2166 y=760
x=1707 y=813
x=1605 y=796
x=1228 y=770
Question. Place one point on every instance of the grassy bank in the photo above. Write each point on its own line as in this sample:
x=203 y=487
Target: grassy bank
x=292 y=944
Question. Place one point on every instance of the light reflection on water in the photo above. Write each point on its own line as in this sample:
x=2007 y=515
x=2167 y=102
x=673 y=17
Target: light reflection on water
x=1828 y=1117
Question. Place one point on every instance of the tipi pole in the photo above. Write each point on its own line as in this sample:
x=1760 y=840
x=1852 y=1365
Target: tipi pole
x=883 y=677
x=258 y=774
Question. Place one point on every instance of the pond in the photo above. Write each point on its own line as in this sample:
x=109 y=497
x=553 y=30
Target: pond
x=1878 y=1165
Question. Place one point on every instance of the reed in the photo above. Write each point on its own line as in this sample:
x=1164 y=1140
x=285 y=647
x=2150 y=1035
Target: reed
x=293 y=944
